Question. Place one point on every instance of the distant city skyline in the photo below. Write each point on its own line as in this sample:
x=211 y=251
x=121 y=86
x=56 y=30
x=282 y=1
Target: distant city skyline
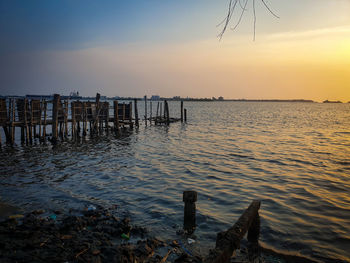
x=170 y=48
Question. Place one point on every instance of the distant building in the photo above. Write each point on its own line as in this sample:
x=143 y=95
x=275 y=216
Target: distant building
x=155 y=97
x=221 y=98
x=176 y=98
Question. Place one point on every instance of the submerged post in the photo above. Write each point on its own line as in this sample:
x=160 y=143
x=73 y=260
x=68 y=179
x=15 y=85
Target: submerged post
x=136 y=114
x=190 y=199
x=185 y=113
x=167 y=112
x=116 y=116
x=228 y=241
x=56 y=99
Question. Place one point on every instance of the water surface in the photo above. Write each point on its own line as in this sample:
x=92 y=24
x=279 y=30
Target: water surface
x=295 y=157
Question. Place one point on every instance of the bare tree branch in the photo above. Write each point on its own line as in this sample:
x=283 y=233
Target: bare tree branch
x=234 y=4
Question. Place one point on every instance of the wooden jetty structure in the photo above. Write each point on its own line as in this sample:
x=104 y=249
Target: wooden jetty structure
x=72 y=118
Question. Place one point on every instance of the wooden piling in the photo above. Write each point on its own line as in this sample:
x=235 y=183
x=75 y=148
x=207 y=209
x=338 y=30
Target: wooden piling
x=26 y=121
x=182 y=111
x=65 y=118
x=185 y=113
x=84 y=118
x=145 y=97
x=167 y=112
x=190 y=199
x=56 y=100
x=136 y=114
x=130 y=115
x=73 y=120
x=228 y=241
x=41 y=110
x=13 y=118
x=98 y=108
x=44 y=126
x=150 y=110
x=116 y=116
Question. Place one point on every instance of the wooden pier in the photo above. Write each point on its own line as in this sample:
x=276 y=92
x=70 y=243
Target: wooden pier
x=74 y=119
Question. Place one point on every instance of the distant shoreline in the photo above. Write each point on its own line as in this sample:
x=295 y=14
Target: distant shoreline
x=220 y=99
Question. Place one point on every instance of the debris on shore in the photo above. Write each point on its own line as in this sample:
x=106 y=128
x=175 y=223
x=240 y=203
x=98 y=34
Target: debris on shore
x=92 y=235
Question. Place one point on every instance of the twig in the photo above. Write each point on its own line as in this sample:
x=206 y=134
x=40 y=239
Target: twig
x=81 y=252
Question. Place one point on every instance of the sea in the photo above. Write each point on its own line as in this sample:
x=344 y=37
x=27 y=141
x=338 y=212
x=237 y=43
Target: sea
x=294 y=157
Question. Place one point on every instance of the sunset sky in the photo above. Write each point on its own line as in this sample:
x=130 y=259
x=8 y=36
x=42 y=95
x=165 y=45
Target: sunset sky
x=170 y=47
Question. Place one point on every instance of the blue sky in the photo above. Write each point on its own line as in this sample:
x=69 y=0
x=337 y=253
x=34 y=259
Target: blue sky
x=170 y=47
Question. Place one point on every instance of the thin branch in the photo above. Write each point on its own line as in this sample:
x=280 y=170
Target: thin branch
x=254 y=19
x=268 y=8
x=241 y=16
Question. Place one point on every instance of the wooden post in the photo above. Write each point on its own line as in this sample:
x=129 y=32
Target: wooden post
x=65 y=118
x=150 y=112
x=130 y=115
x=13 y=122
x=145 y=97
x=44 y=127
x=136 y=114
x=182 y=111
x=97 y=112
x=160 y=110
x=25 y=121
x=123 y=114
x=84 y=118
x=116 y=117
x=41 y=110
x=32 y=124
x=156 y=119
x=107 y=116
x=167 y=113
x=228 y=241
x=190 y=199
x=56 y=100
x=185 y=113
x=73 y=119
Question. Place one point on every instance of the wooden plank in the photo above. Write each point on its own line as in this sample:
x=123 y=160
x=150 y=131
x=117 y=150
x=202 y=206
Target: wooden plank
x=228 y=241
x=66 y=109
x=145 y=97
x=130 y=115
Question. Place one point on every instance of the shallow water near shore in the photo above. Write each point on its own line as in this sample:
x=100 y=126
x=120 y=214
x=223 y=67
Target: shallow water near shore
x=294 y=157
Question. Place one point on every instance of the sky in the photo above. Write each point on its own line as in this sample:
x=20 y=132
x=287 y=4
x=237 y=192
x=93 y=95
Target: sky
x=170 y=48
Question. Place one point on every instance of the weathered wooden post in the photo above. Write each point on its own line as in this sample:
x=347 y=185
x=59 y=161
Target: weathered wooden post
x=130 y=115
x=145 y=97
x=190 y=199
x=56 y=100
x=136 y=114
x=167 y=112
x=13 y=113
x=116 y=117
x=73 y=119
x=185 y=113
x=150 y=112
x=97 y=112
x=228 y=241
x=182 y=111
x=25 y=121
x=44 y=127
x=66 y=118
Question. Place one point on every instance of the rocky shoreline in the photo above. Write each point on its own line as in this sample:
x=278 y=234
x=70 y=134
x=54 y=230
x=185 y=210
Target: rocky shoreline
x=96 y=234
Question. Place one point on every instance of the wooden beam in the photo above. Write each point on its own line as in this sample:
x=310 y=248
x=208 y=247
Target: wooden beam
x=228 y=241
